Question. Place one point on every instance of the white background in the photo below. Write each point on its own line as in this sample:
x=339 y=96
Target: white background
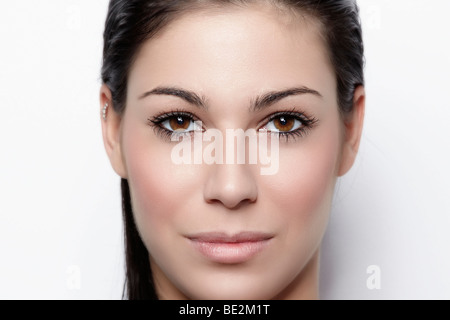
x=60 y=217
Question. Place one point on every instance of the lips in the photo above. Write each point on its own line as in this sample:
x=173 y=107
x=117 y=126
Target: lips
x=230 y=249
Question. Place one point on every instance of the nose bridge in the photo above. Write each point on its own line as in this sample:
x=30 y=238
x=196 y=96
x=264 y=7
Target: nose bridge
x=231 y=181
x=231 y=185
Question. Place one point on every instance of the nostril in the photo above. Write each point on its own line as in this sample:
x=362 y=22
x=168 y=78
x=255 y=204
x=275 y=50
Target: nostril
x=231 y=206
x=232 y=186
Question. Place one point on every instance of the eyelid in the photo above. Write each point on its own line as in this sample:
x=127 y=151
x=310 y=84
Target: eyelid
x=167 y=115
x=157 y=121
x=307 y=120
x=308 y=123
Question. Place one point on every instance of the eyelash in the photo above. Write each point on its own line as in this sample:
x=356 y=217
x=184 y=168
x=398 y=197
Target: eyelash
x=307 y=124
x=156 y=122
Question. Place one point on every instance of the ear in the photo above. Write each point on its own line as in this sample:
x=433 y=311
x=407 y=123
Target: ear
x=111 y=132
x=353 y=125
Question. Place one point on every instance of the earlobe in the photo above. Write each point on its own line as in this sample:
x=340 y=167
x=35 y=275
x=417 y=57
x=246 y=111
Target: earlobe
x=353 y=126
x=111 y=124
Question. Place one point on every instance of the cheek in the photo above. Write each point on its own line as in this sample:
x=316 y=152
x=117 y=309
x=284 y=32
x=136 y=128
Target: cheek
x=303 y=188
x=157 y=186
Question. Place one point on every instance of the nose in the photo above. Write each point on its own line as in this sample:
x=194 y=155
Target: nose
x=231 y=185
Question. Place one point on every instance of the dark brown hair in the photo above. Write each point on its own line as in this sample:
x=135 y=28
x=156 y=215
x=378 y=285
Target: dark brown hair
x=130 y=23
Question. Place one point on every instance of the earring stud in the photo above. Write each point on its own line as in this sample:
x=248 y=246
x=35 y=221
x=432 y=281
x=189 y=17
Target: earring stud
x=105 y=108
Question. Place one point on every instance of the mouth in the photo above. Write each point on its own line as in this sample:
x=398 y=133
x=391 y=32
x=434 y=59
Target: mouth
x=222 y=248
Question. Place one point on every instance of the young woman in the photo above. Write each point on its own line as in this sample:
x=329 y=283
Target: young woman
x=174 y=69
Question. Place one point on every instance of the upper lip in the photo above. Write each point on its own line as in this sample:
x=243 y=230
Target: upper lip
x=223 y=237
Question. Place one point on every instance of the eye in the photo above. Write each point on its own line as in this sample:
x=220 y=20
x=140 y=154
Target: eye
x=283 y=124
x=179 y=123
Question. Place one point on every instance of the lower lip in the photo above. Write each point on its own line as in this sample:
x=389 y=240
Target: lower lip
x=230 y=252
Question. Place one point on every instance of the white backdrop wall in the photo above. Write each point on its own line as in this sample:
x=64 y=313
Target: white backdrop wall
x=60 y=217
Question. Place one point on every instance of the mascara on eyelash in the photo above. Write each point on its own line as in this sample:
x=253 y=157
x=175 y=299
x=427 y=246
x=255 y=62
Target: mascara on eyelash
x=167 y=115
x=156 y=121
x=307 y=124
x=298 y=115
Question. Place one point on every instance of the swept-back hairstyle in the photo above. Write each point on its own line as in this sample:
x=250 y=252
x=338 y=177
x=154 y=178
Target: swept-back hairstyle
x=130 y=23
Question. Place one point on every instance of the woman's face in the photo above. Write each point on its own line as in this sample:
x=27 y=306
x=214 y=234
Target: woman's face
x=227 y=231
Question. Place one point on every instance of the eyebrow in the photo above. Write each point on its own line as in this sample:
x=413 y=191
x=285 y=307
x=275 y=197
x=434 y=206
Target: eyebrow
x=261 y=102
x=272 y=97
x=188 y=96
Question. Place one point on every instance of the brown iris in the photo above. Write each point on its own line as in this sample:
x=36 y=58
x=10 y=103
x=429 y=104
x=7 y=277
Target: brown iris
x=179 y=123
x=283 y=123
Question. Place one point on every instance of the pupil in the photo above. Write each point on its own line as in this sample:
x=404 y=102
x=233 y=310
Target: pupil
x=180 y=121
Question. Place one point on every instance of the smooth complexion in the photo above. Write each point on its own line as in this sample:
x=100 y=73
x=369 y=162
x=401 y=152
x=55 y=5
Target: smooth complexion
x=226 y=231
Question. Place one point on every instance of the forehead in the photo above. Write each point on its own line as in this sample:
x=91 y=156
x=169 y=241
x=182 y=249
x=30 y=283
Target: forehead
x=243 y=48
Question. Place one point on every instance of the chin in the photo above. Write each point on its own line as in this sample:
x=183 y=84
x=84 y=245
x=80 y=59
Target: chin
x=237 y=294
x=232 y=290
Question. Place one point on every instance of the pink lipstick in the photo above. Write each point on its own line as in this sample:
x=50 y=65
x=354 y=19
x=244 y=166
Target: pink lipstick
x=222 y=248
